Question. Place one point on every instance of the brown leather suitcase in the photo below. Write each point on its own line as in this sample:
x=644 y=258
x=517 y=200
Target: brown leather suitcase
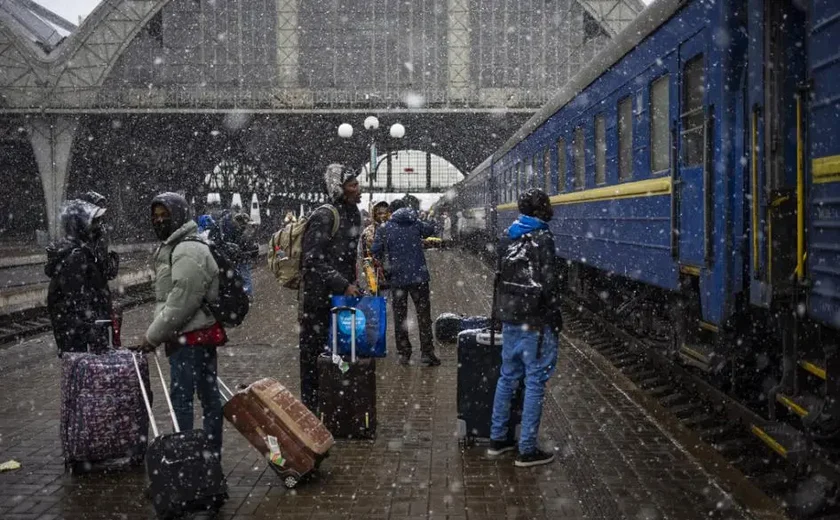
x=347 y=389
x=280 y=427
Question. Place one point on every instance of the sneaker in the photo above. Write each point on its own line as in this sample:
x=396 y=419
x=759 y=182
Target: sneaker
x=430 y=360
x=405 y=360
x=533 y=458
x=500 y=447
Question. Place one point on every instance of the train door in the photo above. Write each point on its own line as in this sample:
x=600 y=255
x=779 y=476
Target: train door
x=778 y=71
x=692 y=149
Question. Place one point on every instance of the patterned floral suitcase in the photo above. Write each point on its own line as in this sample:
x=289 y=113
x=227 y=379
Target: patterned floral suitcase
x=103 y=418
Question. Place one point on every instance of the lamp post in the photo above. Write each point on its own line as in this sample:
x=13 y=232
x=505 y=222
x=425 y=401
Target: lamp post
x=371 y=124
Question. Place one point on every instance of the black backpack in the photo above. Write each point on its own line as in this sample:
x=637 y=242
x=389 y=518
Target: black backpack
x=519 y=277
x=233 y=304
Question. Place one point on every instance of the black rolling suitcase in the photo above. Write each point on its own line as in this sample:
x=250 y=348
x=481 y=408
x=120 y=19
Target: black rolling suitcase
x=347 y=388
x=479 y=365
x=184 y=473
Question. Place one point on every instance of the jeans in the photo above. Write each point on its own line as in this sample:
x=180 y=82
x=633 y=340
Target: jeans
x=420 y=295
x=314 y=334
x=520 y=361
x=193 y=369
x=245 y=272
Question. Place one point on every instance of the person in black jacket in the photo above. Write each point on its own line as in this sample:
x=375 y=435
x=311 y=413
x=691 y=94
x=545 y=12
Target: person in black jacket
x=249 y=250
x=528 y=305
x=78 y=294
x=399 y=246
x=328 y=267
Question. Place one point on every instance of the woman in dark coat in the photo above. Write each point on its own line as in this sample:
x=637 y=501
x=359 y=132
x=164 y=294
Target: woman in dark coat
x=78 y=293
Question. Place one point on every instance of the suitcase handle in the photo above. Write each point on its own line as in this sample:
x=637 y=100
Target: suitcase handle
x=145 y=395
x=227 y=397
x=353 y=311
x=110 y=325
x=166 y=394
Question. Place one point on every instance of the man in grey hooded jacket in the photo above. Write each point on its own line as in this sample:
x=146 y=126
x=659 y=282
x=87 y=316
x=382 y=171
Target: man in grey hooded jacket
x=186 y=278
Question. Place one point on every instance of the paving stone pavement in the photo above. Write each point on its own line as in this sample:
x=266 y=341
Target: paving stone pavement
x=615 y=463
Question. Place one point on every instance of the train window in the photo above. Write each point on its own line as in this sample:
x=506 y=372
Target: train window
x=579 y=158
x=561 y=165
x=660 y=125
x=528 y=169
x=547 y=170
x=535 y=171
x=625 y=138
x=511 y=186
x=520 y=179
x=600 y=149
x=692 y=117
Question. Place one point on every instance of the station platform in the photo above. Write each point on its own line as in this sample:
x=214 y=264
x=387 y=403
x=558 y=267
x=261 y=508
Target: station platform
x=614 y=460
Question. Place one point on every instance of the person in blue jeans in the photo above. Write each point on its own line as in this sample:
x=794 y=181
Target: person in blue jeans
x=528 y=305
x=186 y=276
x=192 y=370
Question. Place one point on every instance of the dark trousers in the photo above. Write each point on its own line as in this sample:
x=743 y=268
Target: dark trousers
x=420 y=296
x=314 y=331
x=193 y=370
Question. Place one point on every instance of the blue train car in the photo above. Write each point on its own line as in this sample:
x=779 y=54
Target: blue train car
x=636 y=153
x=823 y=262
x=694 y=167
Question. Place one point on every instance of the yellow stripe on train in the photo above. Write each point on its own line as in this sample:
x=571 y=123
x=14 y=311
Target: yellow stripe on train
x=826 y=169
x=627 y=190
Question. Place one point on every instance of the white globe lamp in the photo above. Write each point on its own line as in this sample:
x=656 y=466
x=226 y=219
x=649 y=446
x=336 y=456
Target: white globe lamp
x=345 y=131
x=397 y=131
x=371 y=123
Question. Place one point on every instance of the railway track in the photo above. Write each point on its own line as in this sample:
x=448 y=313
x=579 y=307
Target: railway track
x=804 y=478
x=19 y=325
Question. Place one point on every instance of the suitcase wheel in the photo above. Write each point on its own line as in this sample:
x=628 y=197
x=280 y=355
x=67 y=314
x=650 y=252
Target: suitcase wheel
x=290 y=482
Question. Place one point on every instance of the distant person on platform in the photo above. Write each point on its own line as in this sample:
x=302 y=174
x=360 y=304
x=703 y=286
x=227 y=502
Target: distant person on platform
x=328 y=267
x=446 y=234
x=374 y=275
x=528 y=305
x=399 y=247
x=78 y=293
x=249 y=250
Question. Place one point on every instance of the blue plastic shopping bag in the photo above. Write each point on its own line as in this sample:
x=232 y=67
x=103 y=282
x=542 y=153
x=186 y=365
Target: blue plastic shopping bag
x=371 y=325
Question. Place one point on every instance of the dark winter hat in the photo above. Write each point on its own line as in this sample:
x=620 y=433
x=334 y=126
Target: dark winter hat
x=335 y=177
x=179 y=208
x=397 y=204
x=535 y=203
x=412 y=202
x=243 y=219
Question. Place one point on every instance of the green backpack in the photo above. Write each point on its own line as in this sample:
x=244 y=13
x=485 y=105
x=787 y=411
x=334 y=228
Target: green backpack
x=285 y=249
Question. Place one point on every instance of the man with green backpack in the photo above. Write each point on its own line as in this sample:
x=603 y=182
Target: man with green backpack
x=317 y=256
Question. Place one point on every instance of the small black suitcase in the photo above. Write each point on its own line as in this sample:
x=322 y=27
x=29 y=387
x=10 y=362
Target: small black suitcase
x=347 y=388
x=479 y=365
x=184 y=473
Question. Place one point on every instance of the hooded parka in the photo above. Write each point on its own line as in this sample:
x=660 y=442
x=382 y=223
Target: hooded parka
x=186 y=277
x=78 y=294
